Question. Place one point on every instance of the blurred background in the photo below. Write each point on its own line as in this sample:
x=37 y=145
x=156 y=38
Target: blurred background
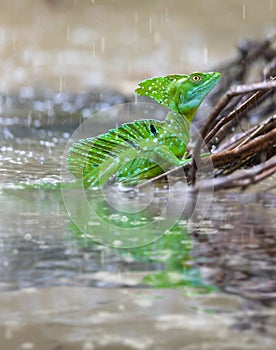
x=75 y=45
x=62 y=61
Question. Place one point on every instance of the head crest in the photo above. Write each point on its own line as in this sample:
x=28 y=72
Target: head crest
x=159 y=88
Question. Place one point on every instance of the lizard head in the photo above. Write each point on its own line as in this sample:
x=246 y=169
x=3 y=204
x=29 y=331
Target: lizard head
x=180 y=93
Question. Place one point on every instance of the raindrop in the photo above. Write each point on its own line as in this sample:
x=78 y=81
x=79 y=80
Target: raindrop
x=135 y=223
x=159 y=218
x=86 y=113
x=27 y=236
x=26 y=92
x=150 y=25
x=93 y=223
x=115 y=217
x=103 y=44
x=66 y=135
x=243 y=11
x=27 y=346
x=93 y=50
x=88 y=345
x=37 y=123
x=117 y=243
x=124 y=218
x=213 y=148
x=60 y=84
x=7 y=134
x=66 y=107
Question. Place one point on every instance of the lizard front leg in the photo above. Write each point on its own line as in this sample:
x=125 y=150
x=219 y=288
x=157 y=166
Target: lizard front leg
x=166 y=154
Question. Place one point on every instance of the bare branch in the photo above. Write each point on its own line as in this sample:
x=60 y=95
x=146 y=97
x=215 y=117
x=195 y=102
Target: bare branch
x=261 y=88
x=241 y=180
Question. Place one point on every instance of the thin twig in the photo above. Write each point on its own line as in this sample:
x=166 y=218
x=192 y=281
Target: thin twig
x=257 y=131
x=242 y=180
x=228 y=128
x=259 y=144
x=245 y=106
x=234 y=91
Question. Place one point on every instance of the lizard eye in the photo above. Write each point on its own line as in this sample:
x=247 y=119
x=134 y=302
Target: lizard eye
x=196 y=78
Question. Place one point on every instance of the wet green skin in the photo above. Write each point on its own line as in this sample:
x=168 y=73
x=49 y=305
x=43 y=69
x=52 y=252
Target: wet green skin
x=144 y=148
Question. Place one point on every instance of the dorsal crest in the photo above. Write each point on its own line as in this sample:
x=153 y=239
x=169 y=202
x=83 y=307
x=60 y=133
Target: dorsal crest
x=159 y=88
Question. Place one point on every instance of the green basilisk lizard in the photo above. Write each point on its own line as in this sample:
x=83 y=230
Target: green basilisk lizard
x=144 y=148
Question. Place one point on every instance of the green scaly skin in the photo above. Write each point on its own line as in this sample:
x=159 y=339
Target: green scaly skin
x=144 y=148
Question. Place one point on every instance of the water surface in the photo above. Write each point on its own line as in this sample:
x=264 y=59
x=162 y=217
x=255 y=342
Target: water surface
x=206 y=282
